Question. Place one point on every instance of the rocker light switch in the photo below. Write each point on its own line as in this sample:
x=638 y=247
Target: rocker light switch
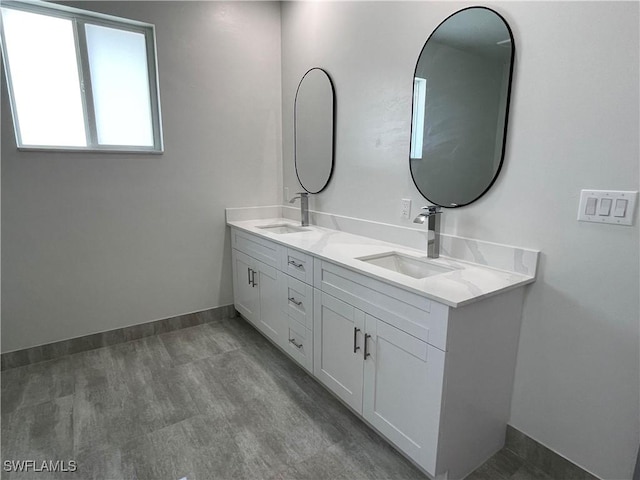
x=605 y=207
x=591 y=206
x=621 y=207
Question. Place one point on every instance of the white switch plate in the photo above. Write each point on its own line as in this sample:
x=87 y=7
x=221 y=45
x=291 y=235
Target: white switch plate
x=405 y=204
x=607 y=195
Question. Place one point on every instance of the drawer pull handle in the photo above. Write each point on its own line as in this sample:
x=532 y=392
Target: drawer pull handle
x=293 y=263
x=366 y=353
x=355 y=339
x=293 y=300
x=297 y=345
x=248 y=275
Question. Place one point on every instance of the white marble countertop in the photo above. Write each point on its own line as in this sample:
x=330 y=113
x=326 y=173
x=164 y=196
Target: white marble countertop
x=467 y=283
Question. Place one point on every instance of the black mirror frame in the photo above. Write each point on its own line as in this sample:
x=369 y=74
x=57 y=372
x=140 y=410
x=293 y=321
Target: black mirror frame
x=506 y=117
x=333 y=130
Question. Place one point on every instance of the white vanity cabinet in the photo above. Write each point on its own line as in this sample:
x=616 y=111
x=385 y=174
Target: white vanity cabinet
x=435 y=380
x=246 y=297
x=270 y=291
x=338 y=336
x=391 y=378
x=297 y=301
x=256 y=295
x=403 y=390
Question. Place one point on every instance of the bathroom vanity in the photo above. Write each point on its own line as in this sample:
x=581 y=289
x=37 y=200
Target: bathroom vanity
x=424 y=351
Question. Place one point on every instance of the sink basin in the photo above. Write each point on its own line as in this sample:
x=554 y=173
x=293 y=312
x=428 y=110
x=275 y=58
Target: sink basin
x=281 y=228
x=406 y=265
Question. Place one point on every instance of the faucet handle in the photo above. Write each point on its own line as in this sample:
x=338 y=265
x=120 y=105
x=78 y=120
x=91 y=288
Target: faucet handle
x=432 y=209
x=299 y=195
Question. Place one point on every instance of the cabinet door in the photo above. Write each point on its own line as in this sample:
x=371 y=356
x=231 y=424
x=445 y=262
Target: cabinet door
x=272 y=322
x=338 y=348
x=403 y=390
x=246 y=296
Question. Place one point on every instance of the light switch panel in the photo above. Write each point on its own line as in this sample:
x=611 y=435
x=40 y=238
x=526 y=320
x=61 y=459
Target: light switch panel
x=607 y=206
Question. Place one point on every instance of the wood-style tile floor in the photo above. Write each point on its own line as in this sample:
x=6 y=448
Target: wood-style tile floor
x=216 y=401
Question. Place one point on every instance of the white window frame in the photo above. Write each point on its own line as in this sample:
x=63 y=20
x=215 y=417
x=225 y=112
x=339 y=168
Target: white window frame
x=79 y=18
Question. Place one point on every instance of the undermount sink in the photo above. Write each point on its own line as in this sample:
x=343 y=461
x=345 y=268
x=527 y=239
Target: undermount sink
x=281 y=228
x=406 y=265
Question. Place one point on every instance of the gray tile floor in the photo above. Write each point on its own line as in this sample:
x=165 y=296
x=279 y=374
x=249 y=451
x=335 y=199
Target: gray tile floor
x=215 y=401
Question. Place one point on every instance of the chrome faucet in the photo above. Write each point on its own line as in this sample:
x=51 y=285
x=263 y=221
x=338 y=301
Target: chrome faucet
x=432 y=213
x=304 y=207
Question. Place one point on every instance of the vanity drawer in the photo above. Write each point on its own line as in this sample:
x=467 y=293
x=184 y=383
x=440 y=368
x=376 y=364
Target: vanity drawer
x=297 y=300
x=256 y=247
x=300 y=344
x=414 y=314
x=297 y=264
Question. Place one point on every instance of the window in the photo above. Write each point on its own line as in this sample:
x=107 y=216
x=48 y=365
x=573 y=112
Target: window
x=417 y=122
x=79 y=80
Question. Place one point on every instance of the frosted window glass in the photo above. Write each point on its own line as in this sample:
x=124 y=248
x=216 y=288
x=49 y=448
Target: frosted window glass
x=417 y=125
x=120 y=83
x=41 y=56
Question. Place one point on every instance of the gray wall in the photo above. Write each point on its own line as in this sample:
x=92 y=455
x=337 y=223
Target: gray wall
x=574 y=124
x=93 y=242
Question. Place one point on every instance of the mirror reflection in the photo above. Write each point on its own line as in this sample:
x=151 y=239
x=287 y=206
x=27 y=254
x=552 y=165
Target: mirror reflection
x=313 y=137
x=462 y=84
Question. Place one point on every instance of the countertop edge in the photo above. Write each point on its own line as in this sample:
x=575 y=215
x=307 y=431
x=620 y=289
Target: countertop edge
x=510 y=285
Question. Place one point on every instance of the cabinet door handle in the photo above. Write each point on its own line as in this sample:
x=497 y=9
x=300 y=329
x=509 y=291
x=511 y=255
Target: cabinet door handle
x=366 y=352
x=253 y=278
x=293 y=300
x=355 y=339
x=248 y=275
x=295 y=264
x=297 y=345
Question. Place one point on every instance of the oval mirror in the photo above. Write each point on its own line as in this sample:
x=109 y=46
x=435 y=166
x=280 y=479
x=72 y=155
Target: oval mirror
x=461 y=89
x=313 y=130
